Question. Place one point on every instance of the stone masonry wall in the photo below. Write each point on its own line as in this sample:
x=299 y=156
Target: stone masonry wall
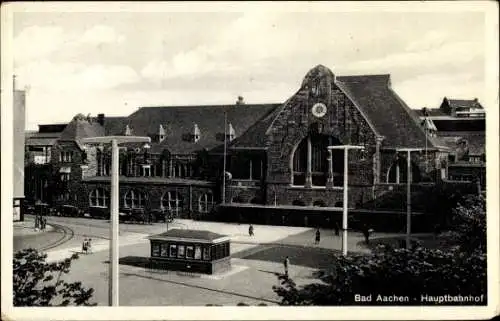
x=342 y=121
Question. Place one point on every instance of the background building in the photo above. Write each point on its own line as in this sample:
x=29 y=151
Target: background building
x=460 y=124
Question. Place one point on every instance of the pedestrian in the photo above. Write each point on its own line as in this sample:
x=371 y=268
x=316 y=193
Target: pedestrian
x=250 y=230
x=318 y=237
x=286 y=263
x=89 y=246
x=84 y=246
x=337 y=229
x=366 y=232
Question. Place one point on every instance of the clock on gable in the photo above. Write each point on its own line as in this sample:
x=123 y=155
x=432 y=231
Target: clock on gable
x=319 y=110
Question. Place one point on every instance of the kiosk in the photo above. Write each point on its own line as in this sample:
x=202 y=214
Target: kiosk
x=190 y=251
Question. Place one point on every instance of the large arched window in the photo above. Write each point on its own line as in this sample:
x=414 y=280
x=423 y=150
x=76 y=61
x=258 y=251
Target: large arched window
x=99 y=197
x=172 y=201
x=205 y=203
x=398 y=172
x=316 y=146
x=135 y=199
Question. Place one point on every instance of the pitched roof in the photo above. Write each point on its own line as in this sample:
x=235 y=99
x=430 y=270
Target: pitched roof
x=372 y=94
x=464 y=103
x=386 y=111
x=178 y=122
x=114 y=125
x=78 y=129
x=188 y=234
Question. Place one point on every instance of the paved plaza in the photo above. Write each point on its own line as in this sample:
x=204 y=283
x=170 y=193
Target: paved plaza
x=256 y=263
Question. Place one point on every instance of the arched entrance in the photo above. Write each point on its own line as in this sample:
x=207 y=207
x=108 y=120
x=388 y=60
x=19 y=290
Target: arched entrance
x=398 y=172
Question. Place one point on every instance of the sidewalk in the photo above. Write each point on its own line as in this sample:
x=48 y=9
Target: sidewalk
x=238 y=233
x=27 y=227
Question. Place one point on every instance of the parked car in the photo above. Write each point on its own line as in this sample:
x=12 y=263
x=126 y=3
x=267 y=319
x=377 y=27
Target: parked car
x=99 y=212
x=68 y=211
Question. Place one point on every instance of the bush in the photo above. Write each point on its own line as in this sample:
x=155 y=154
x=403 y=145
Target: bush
x=38 y=283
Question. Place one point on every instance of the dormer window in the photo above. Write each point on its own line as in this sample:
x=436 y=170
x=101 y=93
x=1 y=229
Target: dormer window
x=128 y=131
x=161 y=134
x=196 y=133
x=231 y=133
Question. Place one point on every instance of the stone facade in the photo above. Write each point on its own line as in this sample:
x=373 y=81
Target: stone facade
x=342 y=120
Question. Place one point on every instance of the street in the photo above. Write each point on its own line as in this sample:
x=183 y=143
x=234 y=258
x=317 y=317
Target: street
x=256 y=261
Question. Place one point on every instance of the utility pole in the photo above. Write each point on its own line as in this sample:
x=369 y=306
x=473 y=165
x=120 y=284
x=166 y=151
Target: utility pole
x=408 y=191
x=346 y=148
x=113 y=293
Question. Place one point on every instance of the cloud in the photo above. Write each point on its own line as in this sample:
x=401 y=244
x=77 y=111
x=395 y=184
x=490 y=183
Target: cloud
x=431 y=40
x=37 y=42
x=438 y=85
x=452 y=53
x=75 y=76
x=101 y=34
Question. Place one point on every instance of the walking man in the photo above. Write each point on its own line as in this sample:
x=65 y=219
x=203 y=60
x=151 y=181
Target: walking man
x=318 y=237
x=250 y=230
x=337 y=229
x=286 y=263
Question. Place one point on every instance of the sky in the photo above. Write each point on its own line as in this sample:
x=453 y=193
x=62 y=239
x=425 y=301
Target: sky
x=116 y=62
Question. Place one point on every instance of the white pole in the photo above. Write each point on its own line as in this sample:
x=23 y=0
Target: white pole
x=224 y=169
x=344 y=217
x=114 y=229
x=408 y=200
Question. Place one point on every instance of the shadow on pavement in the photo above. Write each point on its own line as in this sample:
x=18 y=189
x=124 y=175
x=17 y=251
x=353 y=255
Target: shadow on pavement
x=318 y=258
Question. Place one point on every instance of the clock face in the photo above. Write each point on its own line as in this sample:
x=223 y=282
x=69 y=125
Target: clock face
x=319 y=110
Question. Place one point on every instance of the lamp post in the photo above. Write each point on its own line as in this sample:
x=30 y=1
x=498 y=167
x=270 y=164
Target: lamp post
x=114 y=226
x=408 y=190
x=346 y=149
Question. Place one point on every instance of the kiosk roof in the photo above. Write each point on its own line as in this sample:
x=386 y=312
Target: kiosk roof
x=188 y=234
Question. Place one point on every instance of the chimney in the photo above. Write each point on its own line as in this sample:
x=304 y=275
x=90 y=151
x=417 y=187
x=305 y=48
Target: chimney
x=100 y=119
x=240 y=101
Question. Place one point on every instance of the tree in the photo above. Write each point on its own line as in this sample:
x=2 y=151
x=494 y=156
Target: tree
x=404 y=272
x=38 y=283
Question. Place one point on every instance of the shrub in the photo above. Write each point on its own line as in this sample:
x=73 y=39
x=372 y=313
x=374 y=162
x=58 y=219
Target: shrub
x=38 y=283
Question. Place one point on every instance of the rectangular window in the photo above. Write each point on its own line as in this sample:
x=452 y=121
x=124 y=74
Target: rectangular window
x=206 y=253
x=197 y=253
x=189 y=252
x=181 y=251
x=156 y=249
x=173 y=250
x=164 y=250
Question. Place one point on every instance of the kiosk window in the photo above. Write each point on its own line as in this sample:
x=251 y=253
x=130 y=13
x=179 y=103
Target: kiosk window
x=181 y=251
x=189 y=252
x=206 y=253
x=173 y=250
x=156 y=249
x=197 y=252
x=164 y=250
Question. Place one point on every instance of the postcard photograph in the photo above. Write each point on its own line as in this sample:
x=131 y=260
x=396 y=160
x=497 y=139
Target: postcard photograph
x=315 y=156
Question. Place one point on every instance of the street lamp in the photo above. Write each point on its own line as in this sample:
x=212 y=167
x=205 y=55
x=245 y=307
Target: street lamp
x=346 y=148
x=408 y=190
x=114 y=228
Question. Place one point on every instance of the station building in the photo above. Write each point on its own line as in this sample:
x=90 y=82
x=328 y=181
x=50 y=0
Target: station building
x=276 y=155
